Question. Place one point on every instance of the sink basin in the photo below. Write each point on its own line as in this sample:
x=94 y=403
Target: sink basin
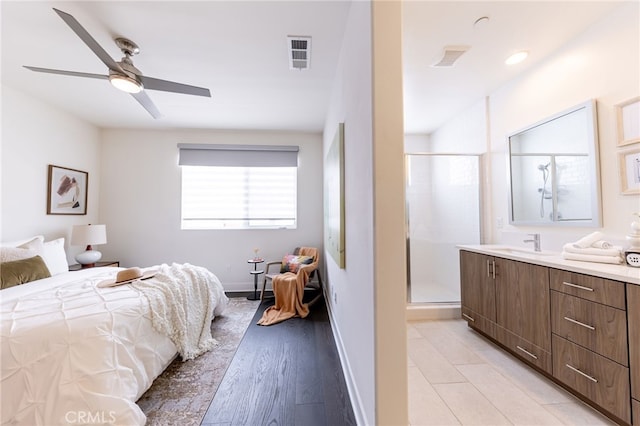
x=523 y=251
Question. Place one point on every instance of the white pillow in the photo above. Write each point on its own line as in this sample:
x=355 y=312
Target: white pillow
x=26 y=250
x=55 y=257
x=36 y=244
x=21 y=242
x=10 y=254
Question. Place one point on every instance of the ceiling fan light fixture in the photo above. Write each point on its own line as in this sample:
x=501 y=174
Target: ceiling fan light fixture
x=125 y=83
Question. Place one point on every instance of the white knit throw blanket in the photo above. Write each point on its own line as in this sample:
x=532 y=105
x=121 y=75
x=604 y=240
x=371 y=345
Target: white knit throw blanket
x=181 y=304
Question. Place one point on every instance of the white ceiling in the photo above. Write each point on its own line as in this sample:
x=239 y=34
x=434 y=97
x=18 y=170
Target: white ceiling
x=237 y=49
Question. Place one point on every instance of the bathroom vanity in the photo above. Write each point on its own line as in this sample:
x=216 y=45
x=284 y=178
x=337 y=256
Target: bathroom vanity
x=577 y=322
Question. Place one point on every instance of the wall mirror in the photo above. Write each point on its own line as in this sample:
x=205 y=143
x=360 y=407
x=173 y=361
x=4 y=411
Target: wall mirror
x=554 y=170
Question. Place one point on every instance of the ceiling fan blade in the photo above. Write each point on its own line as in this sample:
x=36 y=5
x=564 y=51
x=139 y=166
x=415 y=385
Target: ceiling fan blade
x=71 y=73
x=169 y=86
x=88 y=40
x=147 y=103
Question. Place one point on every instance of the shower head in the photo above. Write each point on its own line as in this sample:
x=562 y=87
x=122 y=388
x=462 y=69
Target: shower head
x=543 y=166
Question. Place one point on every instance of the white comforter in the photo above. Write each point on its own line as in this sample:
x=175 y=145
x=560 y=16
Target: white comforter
x=76 y=354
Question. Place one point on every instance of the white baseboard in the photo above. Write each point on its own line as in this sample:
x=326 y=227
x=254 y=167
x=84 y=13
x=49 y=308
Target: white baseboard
x=354 y=395
x=433 y=311
x=241 y=286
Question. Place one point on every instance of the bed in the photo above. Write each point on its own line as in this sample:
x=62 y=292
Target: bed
x=77 y=353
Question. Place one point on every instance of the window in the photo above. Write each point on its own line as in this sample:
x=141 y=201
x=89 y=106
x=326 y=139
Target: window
x=224 y=189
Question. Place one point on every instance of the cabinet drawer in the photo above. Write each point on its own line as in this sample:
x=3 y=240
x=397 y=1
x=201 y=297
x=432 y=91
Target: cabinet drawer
x=601 y=328
x=478 y=322
x=635 y=408
x=607 y=292
x=524 y=349
x=603 y=381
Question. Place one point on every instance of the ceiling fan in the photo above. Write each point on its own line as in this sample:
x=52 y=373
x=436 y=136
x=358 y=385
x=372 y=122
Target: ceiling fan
x=123 y=74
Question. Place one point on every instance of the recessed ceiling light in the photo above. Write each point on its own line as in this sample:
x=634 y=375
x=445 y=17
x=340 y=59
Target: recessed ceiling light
x=517 y=57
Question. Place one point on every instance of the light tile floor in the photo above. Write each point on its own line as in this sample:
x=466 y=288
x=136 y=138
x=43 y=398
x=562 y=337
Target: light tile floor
x=458 y=377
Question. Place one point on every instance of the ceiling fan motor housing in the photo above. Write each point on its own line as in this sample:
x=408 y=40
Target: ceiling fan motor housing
x=128 y=68
x=129 y=71
x=127 y=46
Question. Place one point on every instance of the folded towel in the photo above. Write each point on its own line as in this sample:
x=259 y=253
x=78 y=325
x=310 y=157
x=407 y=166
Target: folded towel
x=602 y=244
x=585 y=242
x=616 y=260
x=594 y=251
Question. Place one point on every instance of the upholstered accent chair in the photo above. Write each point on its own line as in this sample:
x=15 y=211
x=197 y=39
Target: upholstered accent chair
x=303 y=264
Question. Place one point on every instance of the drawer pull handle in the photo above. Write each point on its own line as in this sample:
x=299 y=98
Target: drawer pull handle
x=584 y=374
x=468 y=317
x=526 y=352
x=577 y=286
x=590 y=327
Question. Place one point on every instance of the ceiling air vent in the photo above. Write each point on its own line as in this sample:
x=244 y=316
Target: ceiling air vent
x=299 y=52
x=450 y=55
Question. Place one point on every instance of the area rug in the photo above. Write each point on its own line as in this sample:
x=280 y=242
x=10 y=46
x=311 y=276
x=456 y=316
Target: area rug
x=183 y=392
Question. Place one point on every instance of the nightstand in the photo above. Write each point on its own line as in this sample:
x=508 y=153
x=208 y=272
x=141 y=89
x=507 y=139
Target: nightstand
x=78 y=267
x=255 y=274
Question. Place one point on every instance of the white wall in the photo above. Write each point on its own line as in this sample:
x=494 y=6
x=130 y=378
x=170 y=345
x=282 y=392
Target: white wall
x=350 y=294
x=369 y=324
x=466 y=133
x=603 y=64
x=35 y=135
x=140 y=204
x=416 y=142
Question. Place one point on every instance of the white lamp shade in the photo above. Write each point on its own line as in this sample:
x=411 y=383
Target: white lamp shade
x=87 y=235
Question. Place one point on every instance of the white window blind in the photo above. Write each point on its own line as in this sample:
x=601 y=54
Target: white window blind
x=238 y=155
x=241 y=196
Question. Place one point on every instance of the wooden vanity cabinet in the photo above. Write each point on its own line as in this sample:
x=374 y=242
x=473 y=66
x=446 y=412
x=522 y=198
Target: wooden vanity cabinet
x=478 y=291
x=633 y=317
x=522 y=311
x=590 y=345
x=582 y=330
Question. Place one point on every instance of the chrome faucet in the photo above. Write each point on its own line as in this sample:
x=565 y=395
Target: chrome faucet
x=535 y=241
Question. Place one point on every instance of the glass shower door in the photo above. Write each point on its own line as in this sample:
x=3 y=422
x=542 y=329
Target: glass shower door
x=443 y=210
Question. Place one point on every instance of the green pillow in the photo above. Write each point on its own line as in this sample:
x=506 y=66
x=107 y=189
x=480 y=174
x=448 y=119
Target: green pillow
x=22 y=271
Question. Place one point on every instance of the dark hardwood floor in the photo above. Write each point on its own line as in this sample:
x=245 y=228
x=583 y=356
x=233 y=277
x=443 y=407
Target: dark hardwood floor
x=284 y=374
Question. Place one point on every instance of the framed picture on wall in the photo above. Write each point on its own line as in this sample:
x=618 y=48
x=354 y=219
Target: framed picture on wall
x=334 y=232
x=628 y=121
x=629 y=162
x=67 y=191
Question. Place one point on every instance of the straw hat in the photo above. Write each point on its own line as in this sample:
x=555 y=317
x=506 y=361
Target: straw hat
x=126 y=276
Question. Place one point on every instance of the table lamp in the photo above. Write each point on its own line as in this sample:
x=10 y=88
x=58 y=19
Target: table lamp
x=88 y=235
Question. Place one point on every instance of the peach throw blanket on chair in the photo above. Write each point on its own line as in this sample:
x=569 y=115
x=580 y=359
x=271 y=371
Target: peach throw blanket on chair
x=288 y=288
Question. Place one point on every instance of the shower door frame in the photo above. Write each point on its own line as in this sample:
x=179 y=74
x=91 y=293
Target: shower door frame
x=481 y=174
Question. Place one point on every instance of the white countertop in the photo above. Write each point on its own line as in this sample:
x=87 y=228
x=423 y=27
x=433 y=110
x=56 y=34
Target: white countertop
x=554 y=260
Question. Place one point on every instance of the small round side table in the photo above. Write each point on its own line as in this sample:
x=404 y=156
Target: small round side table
x=255 y=274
